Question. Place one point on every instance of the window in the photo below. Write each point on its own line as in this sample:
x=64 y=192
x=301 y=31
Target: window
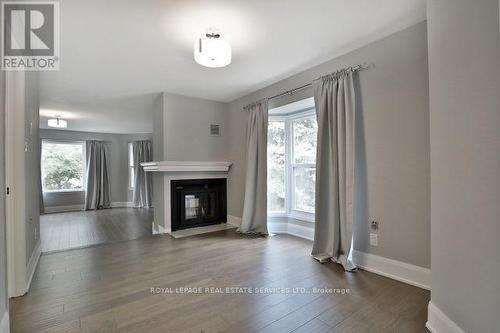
x=276 y=166
x=304 y=163
x=63 y=166
x=292 y=165
x=131 y=170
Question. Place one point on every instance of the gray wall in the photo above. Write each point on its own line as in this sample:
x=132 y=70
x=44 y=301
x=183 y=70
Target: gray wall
x=3 y=259
x=118 y=151
x=181 y=133
x=159 y=155
x=464 y=68
x=158 y=125
x=32 y=175
x=392 y=143
x=187 y=122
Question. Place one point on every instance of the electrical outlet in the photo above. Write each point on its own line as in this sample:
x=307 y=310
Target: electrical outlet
x=373 y=239
x=374 y=226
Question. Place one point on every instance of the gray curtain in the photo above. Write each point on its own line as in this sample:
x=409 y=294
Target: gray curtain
x=97 y=192
x=335 y=110
x=254 y=219
x=143 y=186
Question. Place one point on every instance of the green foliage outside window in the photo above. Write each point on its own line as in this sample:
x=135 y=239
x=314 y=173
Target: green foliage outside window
x=276 y=166
x=62 y=166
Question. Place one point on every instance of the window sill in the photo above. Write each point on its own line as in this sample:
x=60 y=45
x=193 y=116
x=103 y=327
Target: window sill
x=63 y=191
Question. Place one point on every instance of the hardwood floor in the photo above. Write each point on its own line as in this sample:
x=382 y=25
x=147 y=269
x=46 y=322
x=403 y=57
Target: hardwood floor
x=107 y=289
x=62 y=231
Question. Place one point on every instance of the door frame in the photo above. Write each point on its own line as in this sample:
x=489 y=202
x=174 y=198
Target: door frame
x=14 y=179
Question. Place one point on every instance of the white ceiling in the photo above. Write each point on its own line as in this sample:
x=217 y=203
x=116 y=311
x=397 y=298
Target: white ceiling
x=116 y=54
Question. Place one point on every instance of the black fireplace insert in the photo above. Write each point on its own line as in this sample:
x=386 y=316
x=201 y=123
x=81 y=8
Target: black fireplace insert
x=198 y=202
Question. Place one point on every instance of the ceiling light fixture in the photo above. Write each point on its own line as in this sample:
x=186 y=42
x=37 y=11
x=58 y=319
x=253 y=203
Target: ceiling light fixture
x=212 y=51
x=57 y=122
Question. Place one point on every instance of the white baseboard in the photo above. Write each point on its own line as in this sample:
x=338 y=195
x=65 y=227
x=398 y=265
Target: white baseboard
x=32 y=263
x=73 y=208
x=438 y=322
x=4 y=323
x=300 y=231
x=394 y=269
x=291 y=229
x=122 y=204
x=234 y=220
x=159 y=230
x=61 y=209
x=277 y=227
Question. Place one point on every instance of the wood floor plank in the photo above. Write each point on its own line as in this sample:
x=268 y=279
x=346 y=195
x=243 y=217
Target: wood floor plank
x=299 y=317
x=313 y=326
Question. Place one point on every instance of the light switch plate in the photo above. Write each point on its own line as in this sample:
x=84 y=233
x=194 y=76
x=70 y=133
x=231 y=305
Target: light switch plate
x=373 y=239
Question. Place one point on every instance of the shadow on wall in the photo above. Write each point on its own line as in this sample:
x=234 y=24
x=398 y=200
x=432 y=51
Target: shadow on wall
x=360 y=176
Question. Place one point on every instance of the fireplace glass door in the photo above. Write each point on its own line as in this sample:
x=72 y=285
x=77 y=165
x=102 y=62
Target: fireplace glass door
x=200 y=206
x=198 y=202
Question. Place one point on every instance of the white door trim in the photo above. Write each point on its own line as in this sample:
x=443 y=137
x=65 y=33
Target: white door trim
x=14 y=179
x=4 y=323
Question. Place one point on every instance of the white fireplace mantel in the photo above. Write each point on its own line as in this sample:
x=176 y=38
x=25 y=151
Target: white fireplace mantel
x=186 y=166
x=167 y=171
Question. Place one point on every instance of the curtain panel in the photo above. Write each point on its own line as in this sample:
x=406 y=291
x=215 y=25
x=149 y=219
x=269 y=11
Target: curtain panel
x=334 y=98
x=254 y=219
x=98 y=186
x=143 y=183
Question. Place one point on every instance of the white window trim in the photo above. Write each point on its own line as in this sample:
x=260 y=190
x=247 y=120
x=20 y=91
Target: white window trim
x=84 y=165
x=289 y=181
x=130 y=167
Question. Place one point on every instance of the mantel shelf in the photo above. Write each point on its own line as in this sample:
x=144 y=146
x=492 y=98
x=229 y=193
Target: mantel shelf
x=186 y=166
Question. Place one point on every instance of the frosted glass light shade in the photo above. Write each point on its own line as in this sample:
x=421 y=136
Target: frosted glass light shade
x=57 y=122
x=212 y=52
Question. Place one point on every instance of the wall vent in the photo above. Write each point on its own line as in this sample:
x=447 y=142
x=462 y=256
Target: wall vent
x=214 y=130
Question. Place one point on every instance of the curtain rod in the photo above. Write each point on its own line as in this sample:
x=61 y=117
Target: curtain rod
x=291 y=91
x=73 y=140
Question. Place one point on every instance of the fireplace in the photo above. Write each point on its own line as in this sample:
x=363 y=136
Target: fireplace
x=198 y=202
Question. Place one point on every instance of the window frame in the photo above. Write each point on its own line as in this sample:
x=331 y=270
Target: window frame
x=84 y=164
x=290 y=165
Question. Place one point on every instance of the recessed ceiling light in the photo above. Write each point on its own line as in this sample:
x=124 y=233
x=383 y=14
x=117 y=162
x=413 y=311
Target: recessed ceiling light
x=57 y=122
x=212 y=51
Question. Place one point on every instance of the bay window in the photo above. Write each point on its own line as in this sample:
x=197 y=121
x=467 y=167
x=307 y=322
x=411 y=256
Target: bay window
x=292 y=165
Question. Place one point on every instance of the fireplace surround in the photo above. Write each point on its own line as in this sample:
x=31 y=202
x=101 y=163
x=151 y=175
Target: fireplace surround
x=167 y=171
